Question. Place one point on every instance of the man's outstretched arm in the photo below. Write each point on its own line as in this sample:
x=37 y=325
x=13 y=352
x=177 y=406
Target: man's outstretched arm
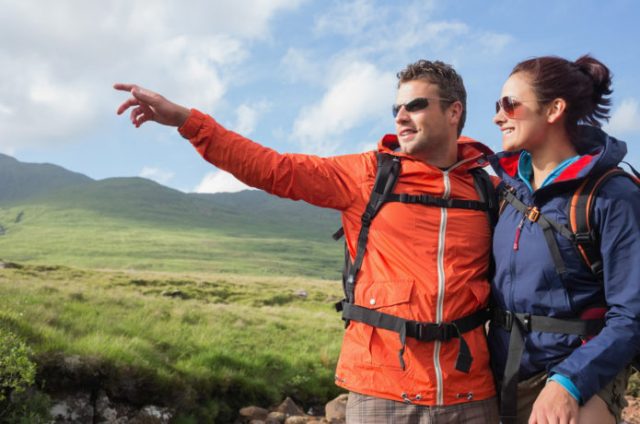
x=149 y=106
x=326 y=182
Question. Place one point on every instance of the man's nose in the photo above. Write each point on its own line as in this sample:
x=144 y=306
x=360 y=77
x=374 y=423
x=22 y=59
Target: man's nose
x=402 y=116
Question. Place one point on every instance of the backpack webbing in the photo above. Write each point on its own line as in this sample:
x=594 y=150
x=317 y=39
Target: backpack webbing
x=587 y=244
x=386 y=178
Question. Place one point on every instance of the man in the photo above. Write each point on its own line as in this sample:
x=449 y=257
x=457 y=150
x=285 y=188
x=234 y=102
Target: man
x=414 y=348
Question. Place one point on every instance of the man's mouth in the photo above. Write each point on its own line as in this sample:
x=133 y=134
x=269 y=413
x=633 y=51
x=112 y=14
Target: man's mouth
x=407 y=131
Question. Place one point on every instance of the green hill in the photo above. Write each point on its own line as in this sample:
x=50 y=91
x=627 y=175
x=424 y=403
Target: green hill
x=52 y=215
x=20 y=180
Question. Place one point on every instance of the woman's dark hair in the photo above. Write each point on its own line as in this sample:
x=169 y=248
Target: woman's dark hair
x=583 y=84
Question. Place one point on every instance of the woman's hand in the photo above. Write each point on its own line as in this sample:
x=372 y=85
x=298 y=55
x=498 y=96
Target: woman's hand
x=554 y=405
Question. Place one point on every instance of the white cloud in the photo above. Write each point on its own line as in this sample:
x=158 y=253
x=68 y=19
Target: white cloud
x=156 y=174
x=375 y=31
x=63 y=56
x=247 y=117
x=220 y=182
x=361 y=92
x=625 y=119
x=298 y=66
x=347 y=18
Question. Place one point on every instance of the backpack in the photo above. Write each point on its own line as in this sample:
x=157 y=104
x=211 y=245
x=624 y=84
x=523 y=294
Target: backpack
x=387 y=174
x=587 y=245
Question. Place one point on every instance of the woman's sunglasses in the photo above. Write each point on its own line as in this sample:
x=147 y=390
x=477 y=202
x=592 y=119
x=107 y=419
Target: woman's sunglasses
x=415 y=105
x=509 y=105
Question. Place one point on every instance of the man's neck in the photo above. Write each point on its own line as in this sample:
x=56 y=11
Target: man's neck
x=440 y=159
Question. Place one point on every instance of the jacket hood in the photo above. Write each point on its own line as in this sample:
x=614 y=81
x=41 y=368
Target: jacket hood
x=599 y=151
x=468 y=148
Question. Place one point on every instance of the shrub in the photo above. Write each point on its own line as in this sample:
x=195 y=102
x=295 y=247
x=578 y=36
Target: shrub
x=19 y=404
x=17 y=371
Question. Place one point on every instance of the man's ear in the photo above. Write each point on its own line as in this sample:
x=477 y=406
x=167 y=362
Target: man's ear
x=556 y=110
x=455 y=113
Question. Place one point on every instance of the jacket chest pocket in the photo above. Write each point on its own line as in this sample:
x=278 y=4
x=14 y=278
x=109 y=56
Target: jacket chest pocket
x=393 y=298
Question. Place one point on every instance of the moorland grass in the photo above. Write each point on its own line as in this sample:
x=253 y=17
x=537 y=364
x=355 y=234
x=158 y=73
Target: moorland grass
x=88 y=239
x=205 y=344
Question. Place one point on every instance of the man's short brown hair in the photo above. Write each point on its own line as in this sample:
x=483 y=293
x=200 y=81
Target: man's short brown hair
x=449 y=83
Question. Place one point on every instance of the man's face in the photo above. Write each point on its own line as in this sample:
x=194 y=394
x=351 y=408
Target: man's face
x=423 y=132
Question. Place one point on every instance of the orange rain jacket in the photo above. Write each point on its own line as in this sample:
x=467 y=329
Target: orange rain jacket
x=422 y=263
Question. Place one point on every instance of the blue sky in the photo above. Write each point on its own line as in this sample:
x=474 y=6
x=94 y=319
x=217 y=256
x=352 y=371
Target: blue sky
x=295 y=75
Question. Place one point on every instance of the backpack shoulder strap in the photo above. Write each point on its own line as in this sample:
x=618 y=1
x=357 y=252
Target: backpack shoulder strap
x=580 y=213
x=386 y=177
x=487 y=193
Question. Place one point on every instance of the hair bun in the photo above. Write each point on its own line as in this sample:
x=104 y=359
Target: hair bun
x=599 y=74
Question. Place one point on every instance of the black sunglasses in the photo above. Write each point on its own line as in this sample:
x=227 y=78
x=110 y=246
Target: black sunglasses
x=415 y=105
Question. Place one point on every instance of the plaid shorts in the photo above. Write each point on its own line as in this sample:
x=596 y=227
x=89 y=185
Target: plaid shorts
x=362 y=409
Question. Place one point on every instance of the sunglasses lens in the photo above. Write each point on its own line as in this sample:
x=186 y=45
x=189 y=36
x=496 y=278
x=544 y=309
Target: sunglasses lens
x=507 y=104
x=413 y=106
x=416 y=104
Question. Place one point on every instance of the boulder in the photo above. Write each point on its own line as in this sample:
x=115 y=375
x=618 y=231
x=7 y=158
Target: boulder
x=76 y=408
x=336 y=410
x=276 y=417
x=298 y=419
x=289 y=408
x=251 y=413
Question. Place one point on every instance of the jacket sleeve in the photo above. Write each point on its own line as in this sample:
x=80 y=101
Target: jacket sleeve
x=617 y=219
x=326 y=182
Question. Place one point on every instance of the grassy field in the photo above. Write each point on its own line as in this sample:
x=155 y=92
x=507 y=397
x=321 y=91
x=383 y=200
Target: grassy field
x=46 y=234
x=204 y=343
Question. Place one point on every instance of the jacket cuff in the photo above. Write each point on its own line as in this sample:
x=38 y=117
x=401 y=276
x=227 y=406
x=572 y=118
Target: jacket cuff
x=568 y=385
x=192 y=125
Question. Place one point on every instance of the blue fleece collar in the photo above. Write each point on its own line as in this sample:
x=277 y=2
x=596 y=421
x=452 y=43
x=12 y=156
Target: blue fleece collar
x=525 y=169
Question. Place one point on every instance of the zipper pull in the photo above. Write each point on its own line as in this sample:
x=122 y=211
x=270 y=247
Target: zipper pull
x=516 y=241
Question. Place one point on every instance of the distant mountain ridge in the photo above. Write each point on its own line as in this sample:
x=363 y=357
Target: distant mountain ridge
x=20 y=180
x=56 y=205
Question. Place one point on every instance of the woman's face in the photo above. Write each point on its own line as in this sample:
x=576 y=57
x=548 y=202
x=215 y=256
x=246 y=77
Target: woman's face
x=523 y=124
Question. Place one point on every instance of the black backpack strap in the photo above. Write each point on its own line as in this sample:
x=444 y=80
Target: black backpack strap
x=423 y=331
x=386 y=178
x=519 y=324
x=548 y=226
x=488 y=195
x=427 y=200
x=580 y=212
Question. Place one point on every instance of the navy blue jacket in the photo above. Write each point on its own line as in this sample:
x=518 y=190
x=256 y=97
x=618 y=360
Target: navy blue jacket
x=526 y=279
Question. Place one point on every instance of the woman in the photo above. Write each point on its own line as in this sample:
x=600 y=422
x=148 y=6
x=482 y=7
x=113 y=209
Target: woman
x=550 y=360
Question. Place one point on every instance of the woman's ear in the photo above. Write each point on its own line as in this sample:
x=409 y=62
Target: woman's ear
x=556 y=110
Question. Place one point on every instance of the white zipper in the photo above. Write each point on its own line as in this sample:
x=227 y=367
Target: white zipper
x=441 y=286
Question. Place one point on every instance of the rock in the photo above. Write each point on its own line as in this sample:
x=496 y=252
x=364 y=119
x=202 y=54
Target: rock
x=107 y=414
x=276 y=417
x=153 y=414
x=297 y=419
x=257 y=422
x=73 y=409
x=336 y=410
x=289 y=408
x=253 y=413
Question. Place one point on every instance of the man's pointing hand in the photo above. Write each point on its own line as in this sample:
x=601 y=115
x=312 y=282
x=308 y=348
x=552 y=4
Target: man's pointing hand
x=149 y=106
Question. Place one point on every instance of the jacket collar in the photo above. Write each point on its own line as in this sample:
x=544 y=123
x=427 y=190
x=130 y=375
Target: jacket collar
x=471 y=153
x=599 y=152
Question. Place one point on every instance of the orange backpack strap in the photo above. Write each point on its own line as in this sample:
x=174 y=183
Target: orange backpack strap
x=587 y=240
